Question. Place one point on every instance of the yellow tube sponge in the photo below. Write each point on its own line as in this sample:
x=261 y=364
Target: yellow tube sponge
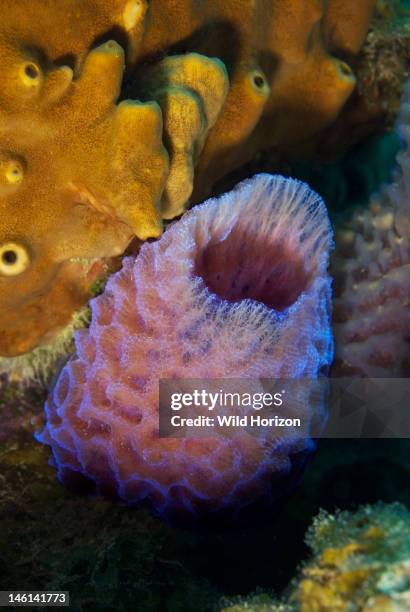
x=78 y=180
x=211 y=85
x=346 y=23
x=92 y=144
x=36 y=33
x=191 y=90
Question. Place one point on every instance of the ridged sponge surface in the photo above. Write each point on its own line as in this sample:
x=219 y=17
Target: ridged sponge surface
x=372 y=277
x=237 y=289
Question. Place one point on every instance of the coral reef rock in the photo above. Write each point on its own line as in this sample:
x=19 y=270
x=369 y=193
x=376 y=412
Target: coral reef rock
x=384 y=61
x=361 y=558
x=249 y=298
x=361 y=561
x=210 y=84
x=372 y=278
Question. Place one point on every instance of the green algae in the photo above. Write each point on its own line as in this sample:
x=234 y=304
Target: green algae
x=109 y=557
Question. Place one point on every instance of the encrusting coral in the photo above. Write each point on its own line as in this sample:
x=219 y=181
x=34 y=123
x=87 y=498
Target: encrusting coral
x=82 y=174
x=383 y=64
x=360 y=561
x=250 y=298
x=372 y=278
x=361 y=558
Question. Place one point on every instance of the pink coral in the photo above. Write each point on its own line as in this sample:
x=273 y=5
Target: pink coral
x=372 y=279
x=237 y=288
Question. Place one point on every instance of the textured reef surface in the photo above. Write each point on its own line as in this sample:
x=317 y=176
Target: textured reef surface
x=360 y=561
x=372 y=278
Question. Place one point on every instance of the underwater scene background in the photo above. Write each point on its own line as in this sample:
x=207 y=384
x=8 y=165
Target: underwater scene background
x=290 y=119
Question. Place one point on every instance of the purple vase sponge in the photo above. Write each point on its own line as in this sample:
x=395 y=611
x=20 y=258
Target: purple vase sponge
x=238 y=288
